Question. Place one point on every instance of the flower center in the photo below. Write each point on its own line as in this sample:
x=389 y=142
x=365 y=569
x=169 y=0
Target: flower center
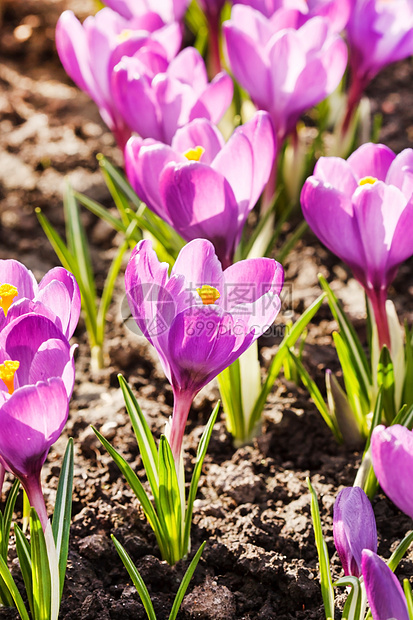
x=208 y=294
x=7 y=372
x=194 y=154
x=124 y=35
x=7 y=293
x=367 y=181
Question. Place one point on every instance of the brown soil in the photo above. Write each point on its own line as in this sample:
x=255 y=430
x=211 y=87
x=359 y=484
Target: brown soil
x=253 y=504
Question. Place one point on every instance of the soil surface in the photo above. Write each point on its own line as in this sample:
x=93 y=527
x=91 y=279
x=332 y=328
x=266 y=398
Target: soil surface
x=253 y=505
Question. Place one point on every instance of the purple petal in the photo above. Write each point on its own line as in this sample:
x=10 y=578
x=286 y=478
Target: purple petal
x=201 y=203
x=15 y=273
x=32 y=420
x=354 y=528
x=144 y=161
x=329 y=214
x=384 y=592
x=204 y=340
x=402 y=246
x=336 y=172
x=189 y=68
x=400 y=173
x=60 y=292
x=371 y=160
x=54 y=358
x=377 y=209
x=199 y=132
x=199 y=265
x=216 y=99
x=392 y=456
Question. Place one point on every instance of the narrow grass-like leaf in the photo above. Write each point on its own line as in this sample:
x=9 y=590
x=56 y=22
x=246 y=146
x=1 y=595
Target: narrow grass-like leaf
x=144 y=437
x=76 y=239
x=350 y=337
x=287 y=342
x=107 y=292
x=136 y=579
x=40 y=569
x=5 y=574
x=185 y=582
x=63 y=511
x=200 y=456
x=229 y=382
x=376 y=420
x=56 y=241
x=405 y=417
x=262 y=223
x=8 y=517
x=352 y=607
x=119 y=180
x=326 y=582
x=25 y=561
x=409 y=599
x=385 y=379
x=400 y=551
x=290 y=242
x=354 y=390
x=408 y=383
x=139 y=491
x=170 y=499
x=315 y=394
x=102 y=213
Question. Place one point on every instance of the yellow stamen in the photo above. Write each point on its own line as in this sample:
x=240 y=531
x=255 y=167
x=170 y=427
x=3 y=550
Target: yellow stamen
x=7 y=372
x=124 y=35
x=208 y=294
x=194 y=154
x=7 y=293
x=367 y=181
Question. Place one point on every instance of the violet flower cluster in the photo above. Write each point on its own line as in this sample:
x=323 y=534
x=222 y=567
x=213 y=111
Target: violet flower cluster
x=36 y=369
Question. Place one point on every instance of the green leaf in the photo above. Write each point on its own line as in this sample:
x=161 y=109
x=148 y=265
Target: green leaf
x=25 y=561
x=185 y=582
x=169 y=506
x=102 y=213
x=66 y=258
x=344 y=415
x=144 y=437
x=354 y=390
x=63 y=511
x=139 y=491
x=398 y=554
x=350 y=338
x=5 y=574
x=229 y=381
x=408 y=594
x=40 y=569
x=290 y=242
x=326 y=582
x=136 y=579
x=277 y=361
x=315 y=394
x=200 y=456
x=385 y=379
x=107 y=293
x=408 y=383
x=119 y=180
x=352 y=607
x=8 y=516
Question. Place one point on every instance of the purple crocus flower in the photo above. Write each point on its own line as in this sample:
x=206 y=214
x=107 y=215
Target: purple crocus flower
x=89 y=53
x=200 y=319
x=378 y=33
x=384 y=592
x=57 y=296
x=168 y=10
x=354 y=528
x=285 y=70
x=294 y=13
x=201 y=186
x=36 y=382
x=155 y=104
x=362 y=210
x=392 y=456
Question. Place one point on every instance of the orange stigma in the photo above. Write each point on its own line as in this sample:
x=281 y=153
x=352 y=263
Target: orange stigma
x=367 y=181
x=7 y=293
x=7 y=372
x=194 y=154
x=208 y=294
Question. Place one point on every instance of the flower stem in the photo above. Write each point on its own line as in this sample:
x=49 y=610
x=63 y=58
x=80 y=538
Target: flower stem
x=378 y=299
x=33 y=488
x=182 y=405
x=214 y=56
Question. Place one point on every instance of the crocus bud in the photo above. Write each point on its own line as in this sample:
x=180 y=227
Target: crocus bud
x=384 y=592
x=354 y=528
x=392 y=455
